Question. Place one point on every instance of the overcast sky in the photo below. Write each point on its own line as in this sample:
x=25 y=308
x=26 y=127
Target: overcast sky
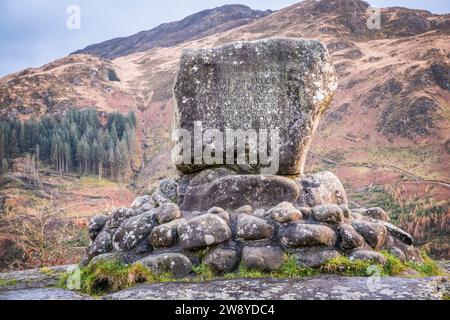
x=34 y=32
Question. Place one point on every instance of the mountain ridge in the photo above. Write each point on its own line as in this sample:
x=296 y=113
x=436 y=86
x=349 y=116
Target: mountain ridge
x=200 y=24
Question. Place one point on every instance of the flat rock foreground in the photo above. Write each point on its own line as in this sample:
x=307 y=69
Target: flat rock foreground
x=41 y=284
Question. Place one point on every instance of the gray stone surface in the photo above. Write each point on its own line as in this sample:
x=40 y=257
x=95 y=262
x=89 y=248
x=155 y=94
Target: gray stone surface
x=377 y=213
x=262 y=213
x=373 y=232
x=141 y=201
x=116 y=257
x=396 y=252
x=271 y=83
x=221 y=213
x=345 y=210
x=268 y=258
x=203 y=231
x=36 y=285
x=102 y=244
x=176 y=263
x=234 y=191
x=399 y=233
x=368 y=256
x=167 y=189
x=132 y=231
x=165 y=235
x=411 y=253
x=221 y=260
x=244 y=210
x=96 y=225
x=301 y=235
x=350 y=239
x=118 y=216
x=317 y=288
x=321 y=188
x=167 y=212
x=253 y=228
x=329 y=213
x=42 y=294
x=285 y=212
x=315 y=258
x=32 y=279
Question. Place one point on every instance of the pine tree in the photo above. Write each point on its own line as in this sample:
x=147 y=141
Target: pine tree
x=132 y=118
x=86 y=154
x=75 y=141
x=23 y=143
x=79 y=155
x=114 y=136
x=67 y=156
x=83 y=154
x=112 y=161
x=45 y=149
x=122 y=160
x=2 y=144
x=5 y=166
x=100 y=157
x=14 y=150
x=57 y=152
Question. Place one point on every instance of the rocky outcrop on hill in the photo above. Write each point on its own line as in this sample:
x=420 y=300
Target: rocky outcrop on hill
x=80 y=81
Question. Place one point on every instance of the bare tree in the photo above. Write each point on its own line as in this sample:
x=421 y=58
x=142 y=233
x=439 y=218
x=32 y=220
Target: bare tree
x=42 y=238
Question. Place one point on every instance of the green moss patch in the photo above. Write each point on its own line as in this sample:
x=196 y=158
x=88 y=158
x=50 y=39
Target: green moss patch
x=427 y=269
x=346 y=267
x=106 y=277
x=7 y=283
x=393 y=267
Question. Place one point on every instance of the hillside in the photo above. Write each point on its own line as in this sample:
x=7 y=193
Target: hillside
x=386 y=134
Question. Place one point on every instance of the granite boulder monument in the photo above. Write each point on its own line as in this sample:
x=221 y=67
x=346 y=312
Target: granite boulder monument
x=237 y=108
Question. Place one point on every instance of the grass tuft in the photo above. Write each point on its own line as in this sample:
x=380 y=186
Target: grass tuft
x=7 y=283
x=244 y=272
x=428 y=268
x=346 y=267
x=290 y=269
x=47 y=271
x=393 y=265
x=94 y=182
x=106 y=277
x=138 y=273
x=203 y=273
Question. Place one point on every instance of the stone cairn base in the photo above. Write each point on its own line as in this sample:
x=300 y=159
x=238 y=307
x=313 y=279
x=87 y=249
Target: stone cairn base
x=252 y=229
x=230 y=216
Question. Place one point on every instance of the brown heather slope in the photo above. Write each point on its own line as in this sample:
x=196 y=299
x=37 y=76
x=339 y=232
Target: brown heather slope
x=79 y=80
x=388 y=124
